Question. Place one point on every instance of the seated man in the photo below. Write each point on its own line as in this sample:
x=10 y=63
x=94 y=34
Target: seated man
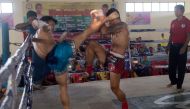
x=143 y=68
x=143 y=50
x=118 y=31
x=57 y=55
x=134 y=51
x=160 y=48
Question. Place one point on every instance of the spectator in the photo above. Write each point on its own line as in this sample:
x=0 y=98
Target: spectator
x=39 y=10
x=105 y=8
x=164 y=44
x=139 y=43
x=27 y=27
x=28 y=30
x=151 y=49
x=74 y=64
x=134 y=51
x=78 y=67
x=139 y=39
x=160 y=48
x=143 y=68
x=143 y=50
x=145 y=62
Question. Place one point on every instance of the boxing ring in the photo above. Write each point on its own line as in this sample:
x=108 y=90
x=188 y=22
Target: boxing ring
x=142 y=93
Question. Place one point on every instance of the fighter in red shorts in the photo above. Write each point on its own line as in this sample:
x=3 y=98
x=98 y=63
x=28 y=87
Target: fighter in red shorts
x=118 y=31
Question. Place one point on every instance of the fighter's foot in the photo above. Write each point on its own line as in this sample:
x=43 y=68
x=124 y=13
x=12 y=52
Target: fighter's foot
x=38 y=87
x=85 y=74
x=180 y=90
x=170 y=85
x=124 y=105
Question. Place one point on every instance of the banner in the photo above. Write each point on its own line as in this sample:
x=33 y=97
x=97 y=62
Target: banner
x=7 y=18
x=72 y=17
x=138 y=18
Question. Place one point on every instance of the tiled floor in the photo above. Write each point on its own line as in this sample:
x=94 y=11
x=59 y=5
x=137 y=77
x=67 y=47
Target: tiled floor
x=142 y=93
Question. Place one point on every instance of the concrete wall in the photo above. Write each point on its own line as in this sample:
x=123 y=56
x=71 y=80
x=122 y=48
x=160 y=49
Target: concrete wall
x=159 y=20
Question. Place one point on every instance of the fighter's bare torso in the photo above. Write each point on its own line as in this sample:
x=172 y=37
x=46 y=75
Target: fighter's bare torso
x=119 y=38
x=46 y=43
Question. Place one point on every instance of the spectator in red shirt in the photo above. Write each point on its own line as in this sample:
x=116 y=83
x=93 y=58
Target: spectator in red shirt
x=178 y=43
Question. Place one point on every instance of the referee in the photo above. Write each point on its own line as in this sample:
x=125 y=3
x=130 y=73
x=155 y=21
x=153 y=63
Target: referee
x=178 y=44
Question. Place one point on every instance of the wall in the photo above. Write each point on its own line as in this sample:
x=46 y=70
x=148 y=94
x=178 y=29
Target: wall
x=159 y=20
x=14 y=35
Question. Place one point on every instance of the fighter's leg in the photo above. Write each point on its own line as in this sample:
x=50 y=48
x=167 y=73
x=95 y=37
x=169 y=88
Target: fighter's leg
x=90 y=55
x=62 y=81
x=95 y=49
x=115 y=87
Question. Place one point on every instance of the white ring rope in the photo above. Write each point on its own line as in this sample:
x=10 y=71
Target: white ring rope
x=11 y=72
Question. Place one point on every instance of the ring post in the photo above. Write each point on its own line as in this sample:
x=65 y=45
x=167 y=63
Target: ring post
x=5 y=42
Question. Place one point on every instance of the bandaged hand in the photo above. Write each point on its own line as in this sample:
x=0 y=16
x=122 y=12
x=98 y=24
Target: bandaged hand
x=37 y=24
x=96 y=23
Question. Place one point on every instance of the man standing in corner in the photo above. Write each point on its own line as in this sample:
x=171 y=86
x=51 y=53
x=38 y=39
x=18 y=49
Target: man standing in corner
x=178 y=44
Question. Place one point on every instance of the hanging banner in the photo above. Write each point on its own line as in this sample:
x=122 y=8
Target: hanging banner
x=72 y=17
x=138 y=18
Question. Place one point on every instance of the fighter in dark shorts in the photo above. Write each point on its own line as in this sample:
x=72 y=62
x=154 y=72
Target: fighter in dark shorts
x=57 y=55
x=118 y=31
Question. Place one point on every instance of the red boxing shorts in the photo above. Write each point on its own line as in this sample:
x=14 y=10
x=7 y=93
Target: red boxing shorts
x=116 y=63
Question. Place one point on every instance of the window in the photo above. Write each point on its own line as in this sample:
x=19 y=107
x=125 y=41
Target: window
x=172 y=6
x=163 y=6
x=130 y=7
x=181 y=3
x=146 y=7
x=6 y=7
x=155 y=7
x=138 y=7
x=152 y=7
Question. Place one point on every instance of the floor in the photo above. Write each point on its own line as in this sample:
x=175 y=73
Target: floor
x=142 y=93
